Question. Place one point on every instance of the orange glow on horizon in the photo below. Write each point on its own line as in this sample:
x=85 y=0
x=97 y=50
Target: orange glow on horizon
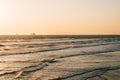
x=60 y=17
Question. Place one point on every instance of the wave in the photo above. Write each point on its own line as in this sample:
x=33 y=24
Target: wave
x=59 y=59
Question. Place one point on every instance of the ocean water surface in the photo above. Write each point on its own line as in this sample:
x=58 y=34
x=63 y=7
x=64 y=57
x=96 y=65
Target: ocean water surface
x=60 y=57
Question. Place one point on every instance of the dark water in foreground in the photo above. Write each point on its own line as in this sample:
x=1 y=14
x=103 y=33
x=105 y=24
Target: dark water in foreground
x=73 y=57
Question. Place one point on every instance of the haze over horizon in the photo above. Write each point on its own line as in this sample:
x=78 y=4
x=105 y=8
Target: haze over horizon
x=50 y=17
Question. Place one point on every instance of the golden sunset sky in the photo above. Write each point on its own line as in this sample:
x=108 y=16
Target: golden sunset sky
x=60 y=16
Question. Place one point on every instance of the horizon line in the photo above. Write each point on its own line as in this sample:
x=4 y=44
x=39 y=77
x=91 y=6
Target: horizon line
x=50 y=34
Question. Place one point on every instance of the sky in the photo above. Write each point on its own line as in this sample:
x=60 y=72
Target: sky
x=53 y=17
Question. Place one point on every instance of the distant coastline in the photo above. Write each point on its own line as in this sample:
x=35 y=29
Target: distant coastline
x=56 y=36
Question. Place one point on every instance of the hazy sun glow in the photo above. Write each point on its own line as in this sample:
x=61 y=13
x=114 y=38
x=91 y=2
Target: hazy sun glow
x=60 y=16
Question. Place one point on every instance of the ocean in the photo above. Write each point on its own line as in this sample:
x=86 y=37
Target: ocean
x=59 y=57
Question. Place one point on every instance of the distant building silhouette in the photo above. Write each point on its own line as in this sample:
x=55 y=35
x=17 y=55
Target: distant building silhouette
x=33 y=34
